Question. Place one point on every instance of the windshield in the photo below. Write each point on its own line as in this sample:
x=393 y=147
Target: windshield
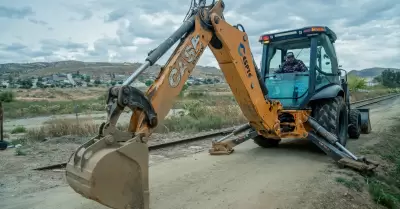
x=278 y=58
x=288 y=81
x=290 y=88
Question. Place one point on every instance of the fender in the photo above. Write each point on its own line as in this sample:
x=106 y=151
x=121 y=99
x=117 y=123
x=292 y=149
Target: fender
x=328 y=92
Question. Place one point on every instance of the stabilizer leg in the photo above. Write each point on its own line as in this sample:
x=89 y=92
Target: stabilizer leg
x=222 y=147
x=331 y=146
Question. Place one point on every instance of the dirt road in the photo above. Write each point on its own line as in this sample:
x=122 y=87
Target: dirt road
x=291 y=176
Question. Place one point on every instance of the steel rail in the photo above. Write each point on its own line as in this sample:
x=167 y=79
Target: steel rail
x=367 y=102
x=361 y=103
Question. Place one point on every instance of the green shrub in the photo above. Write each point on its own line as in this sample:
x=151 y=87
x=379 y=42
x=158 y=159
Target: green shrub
x=18 y=129
x=385 y=187
x=356 y=83
x=7 y=96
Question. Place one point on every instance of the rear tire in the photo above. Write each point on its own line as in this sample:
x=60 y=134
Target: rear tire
x=265 y=142
x=332 y=115
x=354 y=124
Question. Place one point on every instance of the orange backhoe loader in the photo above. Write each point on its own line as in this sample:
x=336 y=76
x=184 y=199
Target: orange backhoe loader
x=112 y=168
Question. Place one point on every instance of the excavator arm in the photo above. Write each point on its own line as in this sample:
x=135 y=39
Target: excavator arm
x=112 y=168
x=232 y=50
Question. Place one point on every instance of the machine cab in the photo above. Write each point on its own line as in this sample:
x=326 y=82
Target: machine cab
x=314 y=47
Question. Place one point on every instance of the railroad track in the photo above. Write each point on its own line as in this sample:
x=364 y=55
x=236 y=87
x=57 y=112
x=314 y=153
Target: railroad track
x=226 y=131
x=367 y=102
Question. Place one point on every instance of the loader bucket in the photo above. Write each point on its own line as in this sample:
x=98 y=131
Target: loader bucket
x=115 y=176
x=365 y=121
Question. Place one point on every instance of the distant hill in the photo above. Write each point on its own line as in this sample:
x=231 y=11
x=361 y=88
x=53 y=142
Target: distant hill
x=97 y=68
x=370 y=72
x=91 y=68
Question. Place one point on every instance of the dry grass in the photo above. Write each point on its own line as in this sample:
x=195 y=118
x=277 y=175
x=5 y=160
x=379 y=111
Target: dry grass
x=42 y=102
x=202 y=118
x=63 y=127
x=21 y=109
x=58 y=94
x=206 y=112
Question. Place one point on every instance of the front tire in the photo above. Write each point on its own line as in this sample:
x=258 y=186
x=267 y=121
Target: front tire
x=332 y=115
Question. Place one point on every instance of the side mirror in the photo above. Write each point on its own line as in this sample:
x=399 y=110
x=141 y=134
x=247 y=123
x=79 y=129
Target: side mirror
x=345 y=73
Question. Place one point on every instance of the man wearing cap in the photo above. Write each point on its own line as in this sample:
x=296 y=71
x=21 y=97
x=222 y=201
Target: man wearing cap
x=292 y=65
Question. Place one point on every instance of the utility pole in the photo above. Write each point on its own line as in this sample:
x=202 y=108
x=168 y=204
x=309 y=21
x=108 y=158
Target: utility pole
x=1 y=121
x=3 y=144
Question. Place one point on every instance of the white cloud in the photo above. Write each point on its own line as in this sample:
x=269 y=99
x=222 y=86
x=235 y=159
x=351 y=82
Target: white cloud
x=142 y=41
x=126 y=30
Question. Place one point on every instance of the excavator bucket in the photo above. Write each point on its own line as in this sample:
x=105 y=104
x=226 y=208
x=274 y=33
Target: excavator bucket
x=365 y=121
x=113 y=174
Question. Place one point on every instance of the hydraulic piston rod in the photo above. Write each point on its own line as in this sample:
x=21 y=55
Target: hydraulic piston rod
x=239 y=130
x=331 y=146
x=157 y=53
x=329 y=137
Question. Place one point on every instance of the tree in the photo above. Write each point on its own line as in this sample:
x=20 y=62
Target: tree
x=10 y=79
x=356 y=83
x=390 y=78
x=113 y=83
x=39 y=84
x=26 y=84
x=185 y=86
x=148 y=82
x=87 y=79
x=378 y=79
x=97 y=82
x=7 y=96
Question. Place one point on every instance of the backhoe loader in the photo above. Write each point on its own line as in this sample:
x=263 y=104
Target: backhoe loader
x=112 y=168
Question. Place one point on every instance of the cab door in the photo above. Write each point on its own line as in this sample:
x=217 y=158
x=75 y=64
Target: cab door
x=326 y=68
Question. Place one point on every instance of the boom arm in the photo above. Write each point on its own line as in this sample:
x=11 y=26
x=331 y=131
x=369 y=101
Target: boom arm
x=231 y=48
x=112 y=168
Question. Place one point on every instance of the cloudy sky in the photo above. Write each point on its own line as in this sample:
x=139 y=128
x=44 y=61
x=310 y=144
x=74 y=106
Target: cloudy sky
x=125 y=30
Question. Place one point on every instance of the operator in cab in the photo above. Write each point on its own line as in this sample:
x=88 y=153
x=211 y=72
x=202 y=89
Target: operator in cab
x=292 y=65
